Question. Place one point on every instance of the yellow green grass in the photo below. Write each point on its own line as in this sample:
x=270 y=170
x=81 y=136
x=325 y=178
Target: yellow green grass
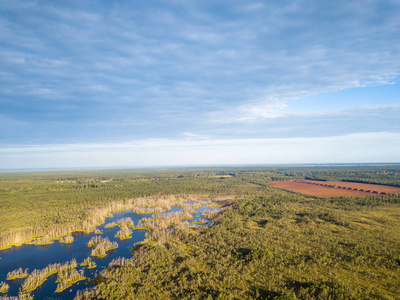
x=89 y=263
x=4 y=287
x=281 y=246
x=68 y=279
x=101 y=249
x=124 y=222
x=17 y=274
x=38 y=277
x=124 y=233
x=200 y=222
x=101 y=246
x=67 y=239
x=81 y=203
x=44 y=240
x=120 y=261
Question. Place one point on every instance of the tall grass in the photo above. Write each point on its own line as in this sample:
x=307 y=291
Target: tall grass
x=96 y=217
x=38 y=277
x=280 y=246
x=18 y=273
x=68 y=239
x=19 y=297
x=4 y=287
x=101 y=246
x=89 y=263
x=124 y=233
x=68 y=279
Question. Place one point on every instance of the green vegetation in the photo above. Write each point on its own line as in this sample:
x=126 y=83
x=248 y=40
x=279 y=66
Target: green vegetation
x=68 y=279
x=366 y=174
x=38 y=277
x=280 y=246
x=151 y=210
x=124 y=233
x=264 y=243
x=101 y=246
x=89 y=263
x=120 y=261
x=16 y=274
x=81 y=200
x=44 y=240
x=95 y=240
x=68 y=239
x=77 y=208
x=200 y=222
x=210 y=214
x=4 y=287
x=20 y=297
x=125 y=222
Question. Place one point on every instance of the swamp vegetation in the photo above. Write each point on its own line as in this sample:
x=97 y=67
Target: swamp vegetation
x=265 y=243
x=281 y=246
x=45 y=282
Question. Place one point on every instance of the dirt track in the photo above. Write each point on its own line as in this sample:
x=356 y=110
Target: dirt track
x=334 y=188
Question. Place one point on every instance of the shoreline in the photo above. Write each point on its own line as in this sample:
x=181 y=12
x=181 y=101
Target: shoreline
x=99 y=215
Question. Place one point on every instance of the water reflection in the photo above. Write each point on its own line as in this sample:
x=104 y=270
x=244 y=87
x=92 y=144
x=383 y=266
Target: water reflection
x=38 y=257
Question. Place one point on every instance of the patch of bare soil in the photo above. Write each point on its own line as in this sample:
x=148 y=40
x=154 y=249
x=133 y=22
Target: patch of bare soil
x=327 y=189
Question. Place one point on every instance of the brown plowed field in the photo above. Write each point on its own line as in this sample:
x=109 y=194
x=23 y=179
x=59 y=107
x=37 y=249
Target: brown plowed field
x=334 y=188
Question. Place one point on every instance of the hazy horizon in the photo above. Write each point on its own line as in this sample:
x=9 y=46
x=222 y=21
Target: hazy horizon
x=194 y=83
x=204 y=167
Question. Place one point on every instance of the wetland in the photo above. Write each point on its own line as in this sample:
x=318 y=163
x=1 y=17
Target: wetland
x=59 y=269
x=218 y=233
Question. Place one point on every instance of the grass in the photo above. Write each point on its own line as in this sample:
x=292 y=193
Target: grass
x=68 y=279
x=17 y=274
x=200 y=222
x=124 y=222
x=80 y=200
x=44 y=240
x=38 y=277
x=68 y=239
x=95 y=240
x=120 y=261
x=124 y=234
x=264 y=244
x=210 y=214
x=280 y=246
x=4 y=287
x=101 y=246
x=19 y=297
x=89 y=263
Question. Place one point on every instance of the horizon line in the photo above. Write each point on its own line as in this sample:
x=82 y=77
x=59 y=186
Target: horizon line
x=76 y=168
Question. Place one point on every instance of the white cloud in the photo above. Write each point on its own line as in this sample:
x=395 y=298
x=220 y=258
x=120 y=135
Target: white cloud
x=187 y=66
x=354 y=148
x=195 y=136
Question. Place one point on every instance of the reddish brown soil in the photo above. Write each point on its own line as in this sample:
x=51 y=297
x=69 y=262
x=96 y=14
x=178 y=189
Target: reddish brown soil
x=334 y=188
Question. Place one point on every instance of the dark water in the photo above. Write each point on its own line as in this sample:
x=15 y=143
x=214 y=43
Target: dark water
x=38 y=257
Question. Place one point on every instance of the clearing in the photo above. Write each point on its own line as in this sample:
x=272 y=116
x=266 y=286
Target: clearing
x=334 y=188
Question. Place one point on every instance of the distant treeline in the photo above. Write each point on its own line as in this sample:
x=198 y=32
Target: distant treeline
x=42 y=199
x=46 y=198
x=376 y=175
x=271 y=244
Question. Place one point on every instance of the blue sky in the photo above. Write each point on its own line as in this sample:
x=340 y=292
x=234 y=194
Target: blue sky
x=145 y=83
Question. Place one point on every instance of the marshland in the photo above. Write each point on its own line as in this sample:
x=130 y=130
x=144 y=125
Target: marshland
x=97 y=242
x=197 y=234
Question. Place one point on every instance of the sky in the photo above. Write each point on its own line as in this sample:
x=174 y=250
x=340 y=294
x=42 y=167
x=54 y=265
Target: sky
x=183 y=82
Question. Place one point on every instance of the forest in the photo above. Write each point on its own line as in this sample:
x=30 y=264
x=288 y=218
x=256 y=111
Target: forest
x=265 y=242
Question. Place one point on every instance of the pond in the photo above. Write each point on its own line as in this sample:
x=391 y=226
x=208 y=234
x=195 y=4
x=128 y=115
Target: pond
x=38 y=257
